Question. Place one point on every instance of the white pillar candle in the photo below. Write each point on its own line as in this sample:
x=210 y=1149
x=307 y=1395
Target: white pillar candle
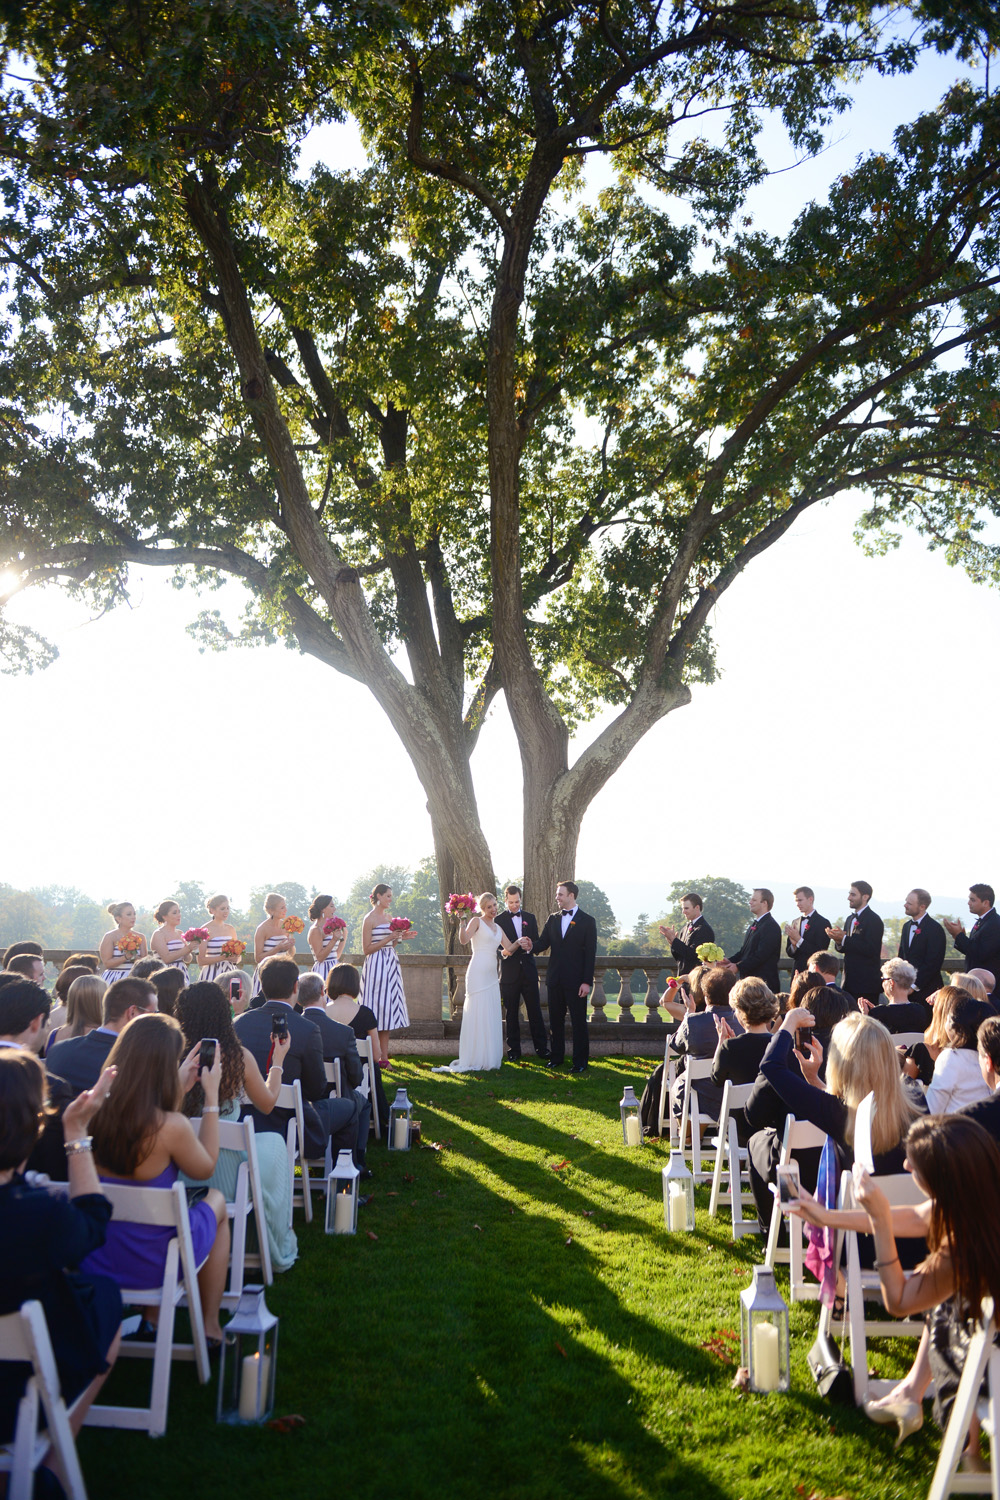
x=253 y=1393
x=766 y=1368
x=343 y=1214
x=401 y=1133
x=633 y=1132
x=678 y=1208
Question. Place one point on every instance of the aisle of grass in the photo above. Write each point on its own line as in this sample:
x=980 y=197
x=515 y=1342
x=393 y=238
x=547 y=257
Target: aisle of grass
x=517 y=1323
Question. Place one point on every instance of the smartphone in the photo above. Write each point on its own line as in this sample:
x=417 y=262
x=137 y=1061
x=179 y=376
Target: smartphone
x=802 y=1039
x=207 y=1055
x=279 y=1026
x=235 y=991
x=789 y=1187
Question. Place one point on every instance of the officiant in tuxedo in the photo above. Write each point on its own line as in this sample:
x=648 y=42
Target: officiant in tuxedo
x=571 y=937
x=519 y=977
x=684 y=944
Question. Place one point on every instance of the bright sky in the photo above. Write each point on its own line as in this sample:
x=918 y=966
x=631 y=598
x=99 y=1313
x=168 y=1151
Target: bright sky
x=825 y=752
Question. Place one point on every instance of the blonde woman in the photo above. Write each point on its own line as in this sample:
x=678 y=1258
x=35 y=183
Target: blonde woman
x=210 y=961
x=271 y=937
x=117 y=962
x=83 y=1009
x=166 y=942
x=480 y=1043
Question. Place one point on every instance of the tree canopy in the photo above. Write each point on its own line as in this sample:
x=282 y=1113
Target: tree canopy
x=461 y=421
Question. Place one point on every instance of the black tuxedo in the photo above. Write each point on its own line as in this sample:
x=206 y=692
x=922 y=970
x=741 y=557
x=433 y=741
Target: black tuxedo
x=923 y=945
x=862 y=950
x=814 y=940
x=688 y=940
x=981 y=947
x=758 y=957
x=570 y=966
x=325 y=1118
x=81 y=1060
x=341 y=1045
x=519 y=981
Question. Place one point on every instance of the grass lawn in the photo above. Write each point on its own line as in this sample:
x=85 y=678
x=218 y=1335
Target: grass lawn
x=513 y=1320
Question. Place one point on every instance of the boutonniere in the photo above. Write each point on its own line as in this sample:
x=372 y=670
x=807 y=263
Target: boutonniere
x=572 y=924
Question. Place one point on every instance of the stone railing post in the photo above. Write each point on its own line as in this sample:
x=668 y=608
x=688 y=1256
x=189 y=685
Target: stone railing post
x=598 y=999
x=652 y=997
x=625 y=1017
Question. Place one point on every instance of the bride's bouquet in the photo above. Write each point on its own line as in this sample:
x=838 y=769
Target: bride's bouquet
x=710 y=953
x=294 y=925
x=460 y=906
x=195 y=934
x=233 y=950
x=333 y=924
x=400 y=924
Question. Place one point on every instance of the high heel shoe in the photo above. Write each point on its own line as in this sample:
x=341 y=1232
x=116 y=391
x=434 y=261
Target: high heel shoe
x=907 y=1415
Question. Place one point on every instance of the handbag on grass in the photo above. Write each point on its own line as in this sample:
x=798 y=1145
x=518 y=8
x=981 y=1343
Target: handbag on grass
x=831 y=1374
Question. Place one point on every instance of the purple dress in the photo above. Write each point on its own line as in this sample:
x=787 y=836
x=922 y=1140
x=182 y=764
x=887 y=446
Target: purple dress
x=135 y=1255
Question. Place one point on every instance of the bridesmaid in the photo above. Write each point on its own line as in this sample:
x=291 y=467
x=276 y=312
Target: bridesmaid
x=270 y=936
x=166 y=942
x=326 y=950
x=210 y=962
x=381 y=977
x=118 y=965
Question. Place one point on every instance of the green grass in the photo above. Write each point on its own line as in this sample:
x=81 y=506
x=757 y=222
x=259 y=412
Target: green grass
x=518 y=1331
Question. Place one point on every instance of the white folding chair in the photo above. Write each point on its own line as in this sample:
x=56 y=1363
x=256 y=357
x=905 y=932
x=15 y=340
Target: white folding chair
x=239 y=1135
x=24 y=1337
x=905 y=1038
x=982 y=1358
x=695 y=1070
x=367 y=1055
x=901 y=1191
x=166 y=1208
x=728 y=1150
x=290 y=1097
x=669 y=1078
x=332 y=1071
x=799 y=1135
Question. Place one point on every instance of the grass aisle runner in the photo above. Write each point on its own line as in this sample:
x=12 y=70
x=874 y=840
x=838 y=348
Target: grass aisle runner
x=513 y=1320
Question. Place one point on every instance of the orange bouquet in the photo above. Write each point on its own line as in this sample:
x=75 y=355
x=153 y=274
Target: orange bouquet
x=294 y=925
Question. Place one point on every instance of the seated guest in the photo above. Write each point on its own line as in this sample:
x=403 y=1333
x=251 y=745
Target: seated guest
x=761 y=948
x=44 y=1238
x=203 y=1011
x=972 y=985
x=141 y=1137
x=81 y=961
x=987 y=1112
x=922 y=943
x=828 y=965
x=83 y=1010
x=343 y=986
x=738 y=1056
x=168 y=983
x=35 y=949
x=697 y=1035
x=335 y=1120
x=60 y=990
x=79 y=1062
x=29 y=966
x=987 y=981
x=339 y=1045
x=145 y=968
x=957 y=1079
x=861 y=1060
x=900 y=1011
x=919 y=1061
x=24 y=1014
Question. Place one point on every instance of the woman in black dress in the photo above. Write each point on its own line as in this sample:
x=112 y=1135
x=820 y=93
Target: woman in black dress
x=41 y=1236
x=343 y=985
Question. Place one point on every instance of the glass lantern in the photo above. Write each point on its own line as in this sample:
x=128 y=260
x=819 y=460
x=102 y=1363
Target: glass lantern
x=249 y=1361
x=342 y=1196
x=631 y=1121
x=678 y=1195
x=400 y=1114
x=764 y=1333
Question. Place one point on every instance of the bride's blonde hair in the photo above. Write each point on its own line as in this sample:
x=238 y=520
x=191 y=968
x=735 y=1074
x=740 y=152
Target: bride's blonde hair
x=486 y=896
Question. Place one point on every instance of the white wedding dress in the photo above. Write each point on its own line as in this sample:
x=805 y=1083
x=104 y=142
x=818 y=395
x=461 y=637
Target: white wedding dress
x=480 y=1043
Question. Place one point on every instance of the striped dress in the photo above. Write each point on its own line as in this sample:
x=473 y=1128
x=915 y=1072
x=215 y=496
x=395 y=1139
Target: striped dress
x=173 y=946
x=215 y=965
x=382 y=984
x=323 y=966
x=269 y=946
x=110 y=975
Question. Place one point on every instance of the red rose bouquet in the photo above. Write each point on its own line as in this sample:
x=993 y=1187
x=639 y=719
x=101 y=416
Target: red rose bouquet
x=400 y=924
x=195 y=934
x=334 y=924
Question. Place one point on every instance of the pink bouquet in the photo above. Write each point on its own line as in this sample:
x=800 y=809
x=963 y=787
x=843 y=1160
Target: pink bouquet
x=333 y=924
x=293 y=924
x=459 y=905
x=233 y=950
x=130 y=945
x=196 y=934
x=400 y=924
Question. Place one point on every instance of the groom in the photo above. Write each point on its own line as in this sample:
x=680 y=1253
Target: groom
x=571 y=935
x=519 y=977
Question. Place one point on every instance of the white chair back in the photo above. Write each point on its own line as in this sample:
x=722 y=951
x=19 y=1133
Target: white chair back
x=669 y=1078
x=799 y=1135
x=239 y=1135
x=24 y=1337
x=696 y=1069
x=367 y=1054
x=729 y=1153
x=290 y=1097
x=982 y=1359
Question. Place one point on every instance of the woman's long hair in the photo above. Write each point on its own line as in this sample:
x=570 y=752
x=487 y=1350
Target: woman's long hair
x=147 y=1087
x=959 y=1164
x=83 y=1005
x=203 y=1010
x=861 y=1060
x=944 y=1001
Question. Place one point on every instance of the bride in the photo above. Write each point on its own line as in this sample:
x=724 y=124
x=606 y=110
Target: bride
x=480 y=1044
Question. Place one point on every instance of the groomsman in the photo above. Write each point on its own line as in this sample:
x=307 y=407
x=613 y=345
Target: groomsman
x=758 y=957
x=922 y=944
x=807 y=935
x=861 y=944
x=519 y=977
x=684 y=944
x=571 y=934
x=981 y=946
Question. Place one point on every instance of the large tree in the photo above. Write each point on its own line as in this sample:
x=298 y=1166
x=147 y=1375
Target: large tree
x=462 y=404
